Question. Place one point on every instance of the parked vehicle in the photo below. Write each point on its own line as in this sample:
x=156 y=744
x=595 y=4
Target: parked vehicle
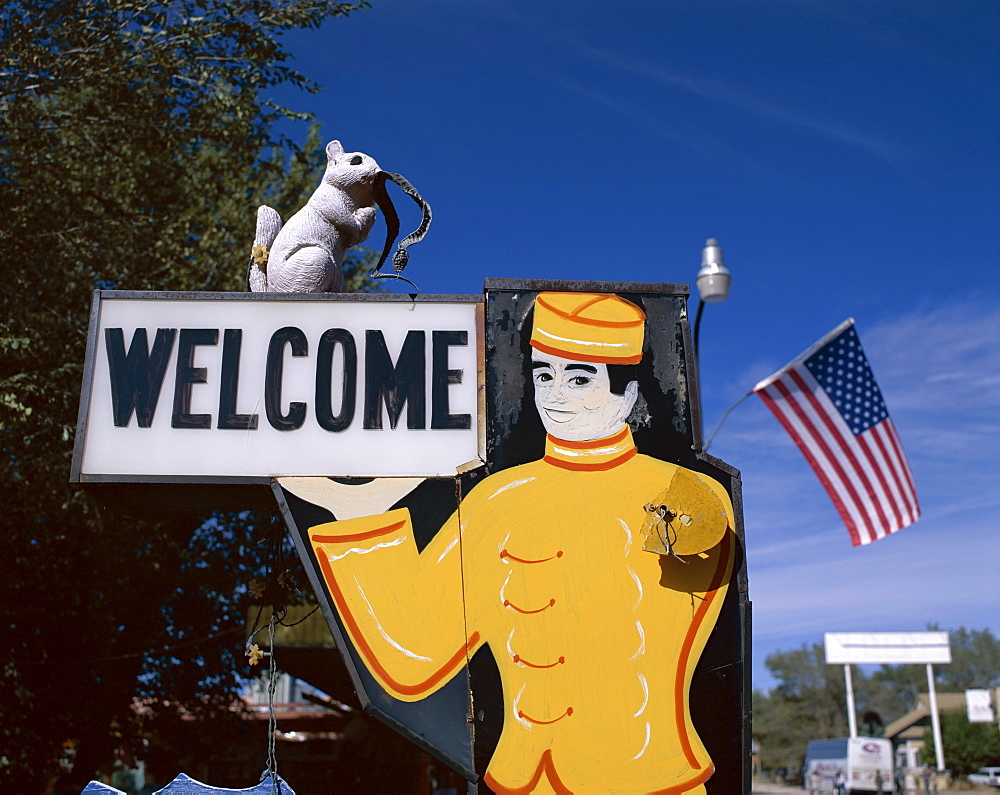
x=989 y=776
x=865 y=761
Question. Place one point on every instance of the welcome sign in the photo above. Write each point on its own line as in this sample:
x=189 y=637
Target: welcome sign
x=206 y=387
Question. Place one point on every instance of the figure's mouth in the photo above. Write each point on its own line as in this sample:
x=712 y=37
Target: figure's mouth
x=559 y=416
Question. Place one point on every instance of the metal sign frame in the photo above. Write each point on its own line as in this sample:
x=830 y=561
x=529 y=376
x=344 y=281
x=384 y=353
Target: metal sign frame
x=240 y=491
x=889 y=648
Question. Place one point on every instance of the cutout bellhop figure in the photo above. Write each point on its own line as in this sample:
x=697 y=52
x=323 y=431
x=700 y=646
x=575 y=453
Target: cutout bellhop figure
x=595 y=575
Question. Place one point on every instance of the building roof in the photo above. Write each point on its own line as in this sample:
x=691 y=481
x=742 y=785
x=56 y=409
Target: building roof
x=911 y=725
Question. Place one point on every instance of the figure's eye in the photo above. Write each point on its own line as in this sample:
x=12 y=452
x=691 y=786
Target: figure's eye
x=580 y=380
x=543 y=378
x=357 y=160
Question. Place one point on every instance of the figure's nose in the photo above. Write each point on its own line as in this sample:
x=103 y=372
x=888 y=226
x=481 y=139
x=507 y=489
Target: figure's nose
x=557 y=395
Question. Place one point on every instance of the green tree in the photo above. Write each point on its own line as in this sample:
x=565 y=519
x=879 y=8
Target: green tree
x=809 y=703
x=975 y=661
x=893 y=689
x=967 y=746
x=137 y=141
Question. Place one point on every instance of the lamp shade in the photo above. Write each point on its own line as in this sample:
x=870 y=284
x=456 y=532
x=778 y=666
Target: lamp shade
x=713 y=276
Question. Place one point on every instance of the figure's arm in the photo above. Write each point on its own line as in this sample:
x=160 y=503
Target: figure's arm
x=402 y=609
x=364 y=217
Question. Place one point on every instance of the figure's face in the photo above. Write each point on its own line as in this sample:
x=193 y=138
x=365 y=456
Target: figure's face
x=574 y=399
x=346 y=170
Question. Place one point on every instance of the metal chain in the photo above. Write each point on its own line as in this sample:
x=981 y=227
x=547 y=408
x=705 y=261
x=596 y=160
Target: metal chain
x=272 y=722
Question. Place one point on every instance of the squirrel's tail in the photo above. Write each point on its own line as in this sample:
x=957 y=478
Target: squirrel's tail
x=268 y=226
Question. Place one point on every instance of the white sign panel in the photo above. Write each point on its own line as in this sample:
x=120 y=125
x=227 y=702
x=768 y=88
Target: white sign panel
x=887 y=647
x=227 y=386
x=978 y=706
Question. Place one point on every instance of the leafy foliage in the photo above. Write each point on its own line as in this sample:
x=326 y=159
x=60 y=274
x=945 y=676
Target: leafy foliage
x=967 y=746
x=136 y=143
x=975 y=661
x=809 y=703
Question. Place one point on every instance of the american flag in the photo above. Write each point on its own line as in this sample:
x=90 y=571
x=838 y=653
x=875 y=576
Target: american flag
x=829 y=403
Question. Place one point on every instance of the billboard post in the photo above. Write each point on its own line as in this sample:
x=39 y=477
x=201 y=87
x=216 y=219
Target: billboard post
x=852 y=720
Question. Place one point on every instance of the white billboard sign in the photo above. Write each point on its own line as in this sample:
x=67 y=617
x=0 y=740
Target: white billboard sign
x=887 y=647
x=979 y=706
x=237 y=387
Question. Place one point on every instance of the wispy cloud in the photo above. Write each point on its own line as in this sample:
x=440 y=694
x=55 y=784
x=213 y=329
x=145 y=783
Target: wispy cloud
x=742 y=100
x=945 y=358
x=939 y=369
x=631 y=112
x=704 y=143
x=900 y=585
x=777 y=551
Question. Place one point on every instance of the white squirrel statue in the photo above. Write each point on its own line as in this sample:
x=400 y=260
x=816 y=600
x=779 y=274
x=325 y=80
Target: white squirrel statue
x=306 y=255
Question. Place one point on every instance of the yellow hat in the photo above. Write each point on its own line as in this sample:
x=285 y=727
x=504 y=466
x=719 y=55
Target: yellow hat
x=588 y=327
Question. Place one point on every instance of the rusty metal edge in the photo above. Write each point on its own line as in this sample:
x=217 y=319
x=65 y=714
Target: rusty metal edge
x=576 y=285
x=481 y=378
x=287 y=297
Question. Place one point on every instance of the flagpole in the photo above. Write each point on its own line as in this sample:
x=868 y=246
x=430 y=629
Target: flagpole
x=722 y=419
x=771 y=378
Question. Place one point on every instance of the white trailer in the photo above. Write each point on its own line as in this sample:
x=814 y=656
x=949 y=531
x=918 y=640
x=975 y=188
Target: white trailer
x=866 y=763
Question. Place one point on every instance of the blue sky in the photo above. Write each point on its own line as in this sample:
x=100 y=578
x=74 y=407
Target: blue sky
x=846 y=156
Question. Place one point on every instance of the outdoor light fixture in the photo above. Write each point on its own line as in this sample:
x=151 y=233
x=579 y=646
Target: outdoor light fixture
x=713 y=288
x=712 y=280
x=713 y=276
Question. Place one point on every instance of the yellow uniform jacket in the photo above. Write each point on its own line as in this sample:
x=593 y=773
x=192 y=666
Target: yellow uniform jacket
x=596 y=640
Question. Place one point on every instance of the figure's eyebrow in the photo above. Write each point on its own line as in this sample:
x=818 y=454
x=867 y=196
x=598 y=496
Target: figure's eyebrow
x=585 y=367
x=535 y=365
